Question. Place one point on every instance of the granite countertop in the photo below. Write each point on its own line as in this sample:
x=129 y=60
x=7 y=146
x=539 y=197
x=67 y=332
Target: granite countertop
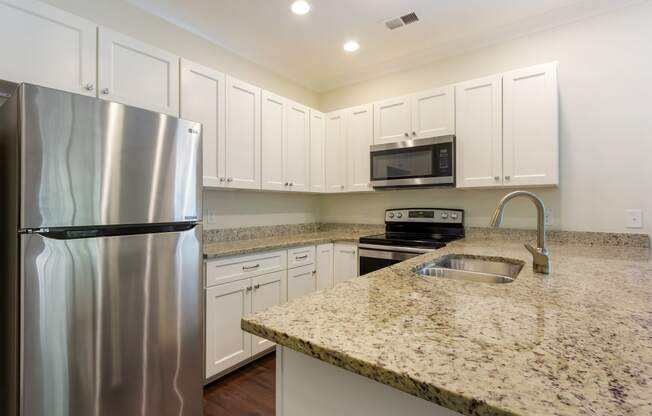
x=575 y=342
x=229 y=248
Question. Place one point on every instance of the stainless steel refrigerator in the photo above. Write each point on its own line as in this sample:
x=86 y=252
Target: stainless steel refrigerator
x=101 y=258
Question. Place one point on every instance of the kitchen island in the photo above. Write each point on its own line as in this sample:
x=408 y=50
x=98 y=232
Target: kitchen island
x=575 y=342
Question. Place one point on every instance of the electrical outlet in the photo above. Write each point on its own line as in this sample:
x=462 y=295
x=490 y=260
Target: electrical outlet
x=548 y=216
x=634 y=218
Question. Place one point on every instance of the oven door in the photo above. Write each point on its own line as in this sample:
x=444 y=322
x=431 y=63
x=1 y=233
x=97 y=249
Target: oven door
x=374 y=257
x=422 y=162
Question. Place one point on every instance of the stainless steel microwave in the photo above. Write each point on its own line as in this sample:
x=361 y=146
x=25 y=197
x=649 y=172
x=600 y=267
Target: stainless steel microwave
x=414 y=163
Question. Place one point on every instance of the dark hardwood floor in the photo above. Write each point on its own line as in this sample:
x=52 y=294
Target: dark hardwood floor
x=249 y=391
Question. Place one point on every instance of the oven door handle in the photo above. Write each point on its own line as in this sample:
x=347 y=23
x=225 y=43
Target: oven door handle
x=396 y=248
x=385 y=255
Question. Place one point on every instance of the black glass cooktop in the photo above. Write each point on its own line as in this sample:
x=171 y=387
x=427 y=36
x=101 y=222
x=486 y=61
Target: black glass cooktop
x=409 y=240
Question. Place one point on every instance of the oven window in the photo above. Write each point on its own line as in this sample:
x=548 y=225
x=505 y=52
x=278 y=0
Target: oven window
x=370 y=264
x=402 y=163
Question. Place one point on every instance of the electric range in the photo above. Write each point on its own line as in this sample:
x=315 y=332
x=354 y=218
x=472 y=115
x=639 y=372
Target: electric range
x=409 y=232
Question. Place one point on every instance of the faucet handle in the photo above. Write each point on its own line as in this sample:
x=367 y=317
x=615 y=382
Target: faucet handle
x=540 y=260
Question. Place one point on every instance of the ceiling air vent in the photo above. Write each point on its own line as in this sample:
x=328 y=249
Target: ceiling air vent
x=396 y=22
x=410 y=18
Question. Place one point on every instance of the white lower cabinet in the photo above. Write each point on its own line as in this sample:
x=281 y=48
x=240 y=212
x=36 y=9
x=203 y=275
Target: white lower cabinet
x=324 y=266
x=268 y=290
x=250 y=283
x=345 y=261
x=301 y=281
x=226 y=343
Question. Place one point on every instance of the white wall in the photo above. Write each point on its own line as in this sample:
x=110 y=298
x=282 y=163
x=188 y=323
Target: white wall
x=232 y=209
x=605 y=82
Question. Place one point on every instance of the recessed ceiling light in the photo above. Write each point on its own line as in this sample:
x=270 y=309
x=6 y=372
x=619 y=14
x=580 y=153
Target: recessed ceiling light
x=300 y=7
x=351 y=46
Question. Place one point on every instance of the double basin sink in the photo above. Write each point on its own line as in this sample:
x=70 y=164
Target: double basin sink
x=472 y=268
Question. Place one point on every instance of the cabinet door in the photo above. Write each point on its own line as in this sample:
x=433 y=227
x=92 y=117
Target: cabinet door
x=317 y=151
x=324 y=266
x=433 y=113
x=242 y=145
x=359 y=138
x=47 y=46
x=298 y=147
x=479 y=133
x=134 y=73
x=226 y=343
x=268 y=290
x=202 y=100
x=531 y=126
x=335 y=152
x=301 y=281
x=392 y=120
x=273 y=131
x=345 y=261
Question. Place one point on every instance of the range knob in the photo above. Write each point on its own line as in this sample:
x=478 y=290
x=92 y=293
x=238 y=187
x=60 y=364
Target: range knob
x=399 y=215
x=444 y=215
x=390 y=215
x=454 y=215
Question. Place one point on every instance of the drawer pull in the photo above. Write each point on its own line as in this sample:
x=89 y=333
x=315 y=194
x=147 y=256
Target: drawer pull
x=348 y=251
x=305 y=256
x=256 y=286
x=255 y=266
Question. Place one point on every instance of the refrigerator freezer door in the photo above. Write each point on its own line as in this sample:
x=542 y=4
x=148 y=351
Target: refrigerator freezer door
x=112 y=325
x=88 y=162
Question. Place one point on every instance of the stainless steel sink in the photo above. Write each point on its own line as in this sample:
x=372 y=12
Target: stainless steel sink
x=472 y=268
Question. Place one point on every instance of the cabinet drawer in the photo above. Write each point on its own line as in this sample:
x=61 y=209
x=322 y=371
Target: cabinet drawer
x=301 y=256
x=234 y=268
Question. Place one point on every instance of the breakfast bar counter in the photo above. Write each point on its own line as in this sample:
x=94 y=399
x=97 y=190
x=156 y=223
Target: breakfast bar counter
x=575 y=342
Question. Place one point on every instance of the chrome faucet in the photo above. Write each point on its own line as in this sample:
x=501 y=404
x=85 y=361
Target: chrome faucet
x=541 y=259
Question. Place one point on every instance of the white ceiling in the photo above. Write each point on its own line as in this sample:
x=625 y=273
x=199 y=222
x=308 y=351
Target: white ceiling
x=308 y=49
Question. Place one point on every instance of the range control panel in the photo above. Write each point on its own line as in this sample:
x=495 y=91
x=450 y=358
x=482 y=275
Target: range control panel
x=430 y=215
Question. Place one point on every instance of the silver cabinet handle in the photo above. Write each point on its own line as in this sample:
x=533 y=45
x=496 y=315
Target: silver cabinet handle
x=256 y=286
x=507 y=177
x=314 y=272
x=305 y=256
x=406 y=134
x=105 y=91
x=342 y=186
x=89 y=87
x=229 y=179
x=248 y=288
x=286 y=184
x=221 y=179
x=348 y=251
x=255 y=266
x=291 y=184
x=414 y=133
x=496 y=178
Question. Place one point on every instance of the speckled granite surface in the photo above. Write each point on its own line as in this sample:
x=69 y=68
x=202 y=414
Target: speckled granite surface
x=575 y=342
x=244 y=246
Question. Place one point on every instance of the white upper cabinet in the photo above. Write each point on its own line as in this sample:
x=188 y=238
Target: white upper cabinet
x=392 y=120
x=359 y=138
x=317 y=151
x=530 y=126
x=242 y=144
x=47 y=46
x=433 y=113
x=297 y=156
x=273 y=141
x=335 y=152
x=424 y=114
x=203 y=100
x=479 y=132
x=134 y=73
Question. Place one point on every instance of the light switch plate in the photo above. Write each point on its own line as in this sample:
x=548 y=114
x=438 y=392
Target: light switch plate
x=634 y=218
